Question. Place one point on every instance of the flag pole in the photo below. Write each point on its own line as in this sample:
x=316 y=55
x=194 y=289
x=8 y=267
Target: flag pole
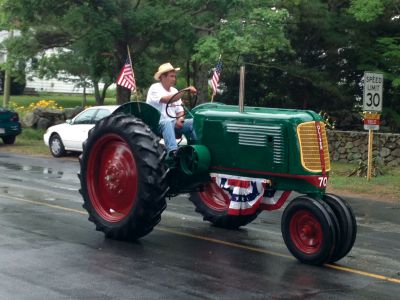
x=130 y=60
x=213 y=95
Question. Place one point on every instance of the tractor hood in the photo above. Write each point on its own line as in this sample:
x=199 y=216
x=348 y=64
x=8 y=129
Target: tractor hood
x=263 y=142
x=250 y=116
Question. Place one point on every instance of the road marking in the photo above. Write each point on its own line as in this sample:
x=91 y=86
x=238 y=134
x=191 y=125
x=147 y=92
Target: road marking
x=208 y=239
x=230 y=244
x=82 y=212
x=366 y=274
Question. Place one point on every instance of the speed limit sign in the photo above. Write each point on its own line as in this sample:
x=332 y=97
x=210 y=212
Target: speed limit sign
x=373 y=86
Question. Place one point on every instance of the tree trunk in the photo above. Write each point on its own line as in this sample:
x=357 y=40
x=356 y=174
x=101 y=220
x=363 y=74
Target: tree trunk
x=200 y=81
x=84 y=100
x=7 y=88
x=306 y=96
x=123 y=95
x=104 y=91
x=187 y=73
x=97 y=96
x=7 y=77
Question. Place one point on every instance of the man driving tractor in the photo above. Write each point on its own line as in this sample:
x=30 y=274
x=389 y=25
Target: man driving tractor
x=172 y=121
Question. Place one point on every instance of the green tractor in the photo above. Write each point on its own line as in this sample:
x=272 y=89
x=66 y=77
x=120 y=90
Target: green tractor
x=243 y=161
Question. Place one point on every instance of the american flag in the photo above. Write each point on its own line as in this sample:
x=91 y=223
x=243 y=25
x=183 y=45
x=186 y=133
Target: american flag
x=215 y=77
x=126 y=77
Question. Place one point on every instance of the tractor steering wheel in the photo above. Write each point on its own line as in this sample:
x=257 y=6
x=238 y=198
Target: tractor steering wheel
x=170 y=104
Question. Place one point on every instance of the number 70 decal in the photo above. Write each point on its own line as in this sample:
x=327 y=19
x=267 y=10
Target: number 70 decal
x=323 y=180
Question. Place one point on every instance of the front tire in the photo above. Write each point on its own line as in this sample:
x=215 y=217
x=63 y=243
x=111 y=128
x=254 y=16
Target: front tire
x=213 y=204
x=123 y=178
x=347 y=225
x=308 y=230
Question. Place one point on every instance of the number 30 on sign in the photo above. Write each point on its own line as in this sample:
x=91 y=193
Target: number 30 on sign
x=373 y=86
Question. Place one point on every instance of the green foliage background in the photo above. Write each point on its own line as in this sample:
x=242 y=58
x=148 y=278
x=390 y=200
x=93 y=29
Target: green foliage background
x=298 y=54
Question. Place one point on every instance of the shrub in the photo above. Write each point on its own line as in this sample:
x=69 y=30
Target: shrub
x=32 y=106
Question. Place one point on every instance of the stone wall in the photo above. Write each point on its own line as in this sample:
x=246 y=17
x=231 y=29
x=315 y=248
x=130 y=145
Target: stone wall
x=351 y=146
x=42 y=118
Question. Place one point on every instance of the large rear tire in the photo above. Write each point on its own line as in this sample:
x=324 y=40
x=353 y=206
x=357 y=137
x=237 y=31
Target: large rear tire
x=347 y=224
x=309 y=231
x=123 y=177
x=213 y=204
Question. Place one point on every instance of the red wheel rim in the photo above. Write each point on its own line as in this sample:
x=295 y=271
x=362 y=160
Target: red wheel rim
x=306 y=232
x=112 y=178
x=215 y=197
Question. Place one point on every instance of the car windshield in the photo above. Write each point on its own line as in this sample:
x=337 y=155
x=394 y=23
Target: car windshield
x=86 y=117
x=101 y=113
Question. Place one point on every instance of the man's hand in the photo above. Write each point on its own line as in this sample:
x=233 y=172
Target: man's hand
x=176 y=97
x=191 y=89
x=179 y=122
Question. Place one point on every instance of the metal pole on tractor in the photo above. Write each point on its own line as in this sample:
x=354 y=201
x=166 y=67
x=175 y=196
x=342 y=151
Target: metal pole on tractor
x=241 y=89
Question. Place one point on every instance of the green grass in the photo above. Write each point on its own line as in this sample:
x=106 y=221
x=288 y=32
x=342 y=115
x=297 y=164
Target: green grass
x=30 y=141
x=386 y=187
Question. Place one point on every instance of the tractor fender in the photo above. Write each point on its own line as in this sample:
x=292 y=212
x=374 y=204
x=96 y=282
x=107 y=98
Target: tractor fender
x=141 y=110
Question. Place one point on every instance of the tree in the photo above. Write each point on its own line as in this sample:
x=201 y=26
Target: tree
x=380 y=20
x=99 y=31
x=251 y=32
x=327 y=52
x=303 y=54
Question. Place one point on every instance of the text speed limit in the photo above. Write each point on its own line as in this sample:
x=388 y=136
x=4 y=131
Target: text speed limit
x=373 y=86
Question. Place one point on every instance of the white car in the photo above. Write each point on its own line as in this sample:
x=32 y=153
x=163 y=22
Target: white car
x=70 y=135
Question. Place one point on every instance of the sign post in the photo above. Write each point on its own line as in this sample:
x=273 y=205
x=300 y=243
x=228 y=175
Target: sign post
x=372 y=106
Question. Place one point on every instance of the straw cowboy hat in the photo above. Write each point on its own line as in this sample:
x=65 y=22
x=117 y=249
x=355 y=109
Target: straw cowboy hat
x=164 y=68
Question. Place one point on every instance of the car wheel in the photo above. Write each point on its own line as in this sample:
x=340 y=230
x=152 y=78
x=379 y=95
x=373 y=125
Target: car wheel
x=9 y=140
x=56 y=146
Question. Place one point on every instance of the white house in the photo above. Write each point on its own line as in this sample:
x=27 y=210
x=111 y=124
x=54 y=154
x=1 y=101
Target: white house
x=33 y=83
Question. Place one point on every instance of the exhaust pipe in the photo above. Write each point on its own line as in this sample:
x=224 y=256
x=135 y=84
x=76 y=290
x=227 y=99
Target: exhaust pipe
x=241 y=89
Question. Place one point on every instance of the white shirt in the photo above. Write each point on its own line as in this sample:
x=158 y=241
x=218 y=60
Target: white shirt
x=154 y=95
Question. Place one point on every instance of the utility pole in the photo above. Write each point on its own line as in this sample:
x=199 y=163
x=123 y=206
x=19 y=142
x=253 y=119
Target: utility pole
x=7 y=77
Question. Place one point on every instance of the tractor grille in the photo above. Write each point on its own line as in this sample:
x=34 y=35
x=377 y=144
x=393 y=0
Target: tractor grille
x=257 y=136
x=314 y=146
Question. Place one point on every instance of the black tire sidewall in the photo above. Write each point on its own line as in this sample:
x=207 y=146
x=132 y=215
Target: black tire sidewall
x=145 y=214
x=89 y=144
x=347 y=224
x=328 y=229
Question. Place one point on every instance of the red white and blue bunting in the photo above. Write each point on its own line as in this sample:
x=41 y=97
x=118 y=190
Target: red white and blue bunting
x=247 y=194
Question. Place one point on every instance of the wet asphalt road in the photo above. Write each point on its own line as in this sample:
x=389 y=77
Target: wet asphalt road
x=49 y=250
